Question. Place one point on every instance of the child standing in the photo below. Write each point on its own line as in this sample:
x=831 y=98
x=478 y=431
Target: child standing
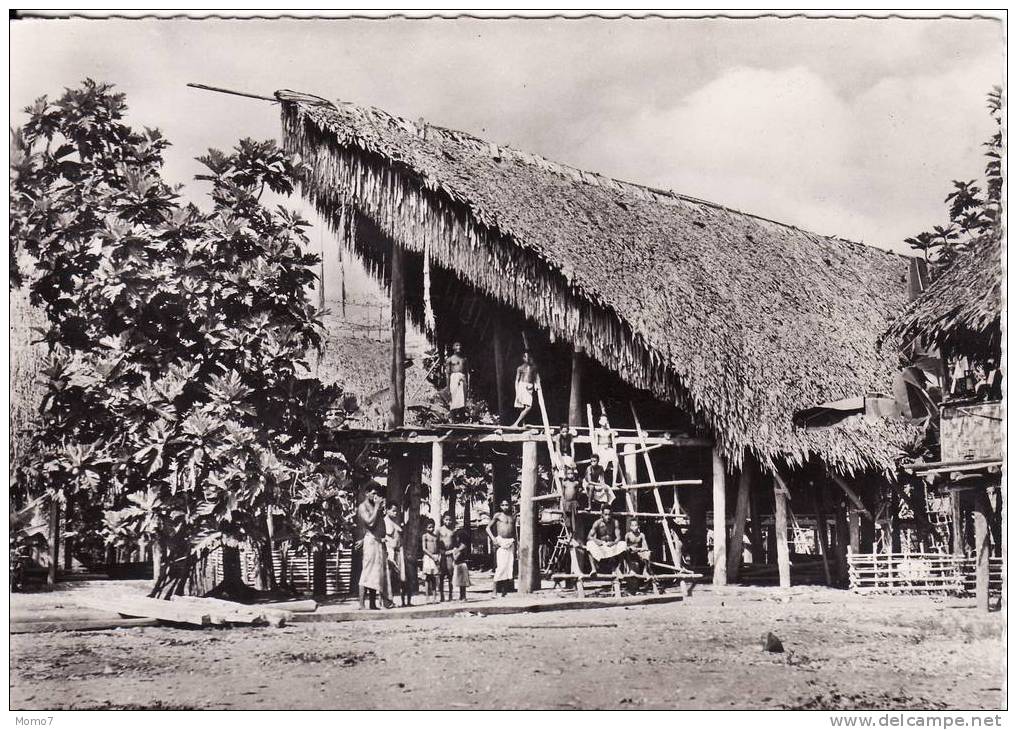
x=460 y=559
x=431 y=549
x=445 y=565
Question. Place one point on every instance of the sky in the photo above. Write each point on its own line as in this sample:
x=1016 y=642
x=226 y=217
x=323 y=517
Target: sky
x=844 y=127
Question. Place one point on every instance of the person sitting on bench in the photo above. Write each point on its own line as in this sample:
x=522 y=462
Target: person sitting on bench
x=637 y=551
x=598 y=492
x=605 y=541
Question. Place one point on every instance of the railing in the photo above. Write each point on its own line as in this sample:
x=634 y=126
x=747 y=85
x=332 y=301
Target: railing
x=918 y=573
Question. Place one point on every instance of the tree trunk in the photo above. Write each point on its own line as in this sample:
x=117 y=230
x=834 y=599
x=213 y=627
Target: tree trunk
x=182 y=573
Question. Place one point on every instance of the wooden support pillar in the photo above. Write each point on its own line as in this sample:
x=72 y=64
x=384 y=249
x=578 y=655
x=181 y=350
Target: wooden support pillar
x=983 y=549
x=411 y=529
x=841 y=516
x=719 y=520
x=758 y=547
x=957 y=514
x=437 y=467
x=500 y=373
x=855 y=530
x=54 y=540
x=397 y=413
x=529 y=565
x=630 y=466
x=734 y=558
x=822 y=536
x=780 y=496
x=577 y=410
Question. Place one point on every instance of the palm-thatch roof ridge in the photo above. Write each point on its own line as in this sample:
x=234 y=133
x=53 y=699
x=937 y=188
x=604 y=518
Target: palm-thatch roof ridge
x=738 y=319
x=961 y=308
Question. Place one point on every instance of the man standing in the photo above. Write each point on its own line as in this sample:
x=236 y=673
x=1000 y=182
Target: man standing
x=502 y=531
x=458 y=373
x=527 y=381
x=605 y=540
x=373 y=571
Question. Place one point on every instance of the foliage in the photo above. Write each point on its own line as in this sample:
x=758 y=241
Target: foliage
x=973 y=211
x=178 y=397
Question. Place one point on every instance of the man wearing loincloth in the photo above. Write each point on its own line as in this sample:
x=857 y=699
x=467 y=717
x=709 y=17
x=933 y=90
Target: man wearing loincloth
x=458 y=374
x=605 y=540
x=502 y=531
x=374 y=569
x=446 y=566
x=605 y=449
x=527 y=382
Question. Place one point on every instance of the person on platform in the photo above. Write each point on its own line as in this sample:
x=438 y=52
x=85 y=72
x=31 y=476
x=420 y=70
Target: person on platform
x=429 y=546
x=564 y=437
x=460 y=559
x=570 y=493
x=637 y=555
x=457 y=373
x=396 y=555
x=604 y=447
x=502 y=531
x=374 y=580
x=605 y=540
x=598 y=492
x=526 y=385
x=446 y=564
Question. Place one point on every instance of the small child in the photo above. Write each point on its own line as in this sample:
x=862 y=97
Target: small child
x=445 y=565
x=430 y=548
x=460 y=558
x=637 y=556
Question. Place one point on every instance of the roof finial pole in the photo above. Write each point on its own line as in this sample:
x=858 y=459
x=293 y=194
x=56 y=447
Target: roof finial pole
x=219 y=90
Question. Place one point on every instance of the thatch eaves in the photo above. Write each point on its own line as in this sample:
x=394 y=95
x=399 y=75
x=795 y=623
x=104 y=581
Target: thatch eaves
x=961 y=309
x=740 y=320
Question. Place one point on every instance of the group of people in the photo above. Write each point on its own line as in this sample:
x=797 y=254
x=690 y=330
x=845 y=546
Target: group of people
x=383 y=572
x=444 y=550
x=597 y=491
x=457 y=375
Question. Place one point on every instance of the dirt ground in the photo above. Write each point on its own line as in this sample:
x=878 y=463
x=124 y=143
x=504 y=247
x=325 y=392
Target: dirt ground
x=842 y=651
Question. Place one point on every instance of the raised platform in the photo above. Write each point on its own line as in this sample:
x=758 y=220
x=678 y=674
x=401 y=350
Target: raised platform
x=456 y=433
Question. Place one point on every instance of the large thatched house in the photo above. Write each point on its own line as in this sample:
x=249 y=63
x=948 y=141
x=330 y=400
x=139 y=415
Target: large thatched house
x=738 y=319
x=716 y=321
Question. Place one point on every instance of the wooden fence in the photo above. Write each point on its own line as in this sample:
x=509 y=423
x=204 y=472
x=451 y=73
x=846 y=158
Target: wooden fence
x=918 y=573
x=299 y=569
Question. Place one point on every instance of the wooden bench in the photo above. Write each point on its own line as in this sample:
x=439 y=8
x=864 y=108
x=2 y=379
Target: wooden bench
x=616 y=580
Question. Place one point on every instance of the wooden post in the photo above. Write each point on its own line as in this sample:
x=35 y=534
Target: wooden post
x=734 y=558
x=437 y=467
x=719 y=520
x=529 y=567
x=398 y=372
x=630 y=467
x=780 y=496
x=758 y=548
x=576 y=409
x=840 y=515
x=822 y=538
x=500 y=374
x=54 y=540
x=855 y=530
x=411 y=529
x=957 y=514
x=983 y=549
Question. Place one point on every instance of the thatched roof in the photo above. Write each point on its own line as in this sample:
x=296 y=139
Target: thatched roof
x=738 y=319
x=961 y=308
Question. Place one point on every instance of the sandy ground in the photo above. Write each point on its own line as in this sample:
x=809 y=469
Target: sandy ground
x=842 y=651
